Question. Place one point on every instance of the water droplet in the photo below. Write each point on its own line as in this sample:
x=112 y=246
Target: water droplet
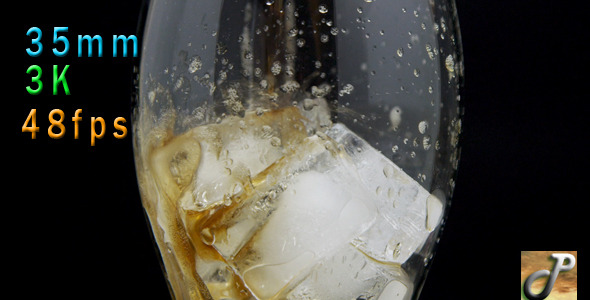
x=394 y=148
x=270 y=2
x=426 y=143
x=334 y=31
x=429 y=51
x=395 y=117
x=300 y=42
x=430 y=90
x=194 y=64
x=416 y=72
x=422 y=126
x=323 y=9
x=450 y=63
x=347 y=89
x=359 y=10
x=400 y=52
x=324 y=38
x=382 y=32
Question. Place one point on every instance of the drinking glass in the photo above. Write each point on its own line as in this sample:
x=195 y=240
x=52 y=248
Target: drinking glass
x=298 y=149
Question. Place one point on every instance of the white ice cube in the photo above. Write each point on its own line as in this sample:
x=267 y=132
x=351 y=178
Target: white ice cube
x=400 y=228
x=317 y=214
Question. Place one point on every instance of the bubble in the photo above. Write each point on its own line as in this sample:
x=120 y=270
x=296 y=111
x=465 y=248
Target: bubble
x=426 y=143
x=276 y=68
x=394 y=148
x=300 y=42
x=275 y=141
x=395 y=117
x=422 y=126
x=429 y=51
x=450 y=63
x=222 y=75
x=347 y=89
x=320 y=91
x=323 y=9
x=289 y=71
x=290 y=86
x=194 y=64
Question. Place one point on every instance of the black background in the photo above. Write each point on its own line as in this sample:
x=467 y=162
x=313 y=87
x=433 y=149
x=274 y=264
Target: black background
x=74 y=225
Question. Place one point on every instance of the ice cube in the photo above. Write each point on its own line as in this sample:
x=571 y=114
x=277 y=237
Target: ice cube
x=400 y=228
x=346 y=274
x=303 y=208
x=315 y=215
x=210 y=165
x=251 y=210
